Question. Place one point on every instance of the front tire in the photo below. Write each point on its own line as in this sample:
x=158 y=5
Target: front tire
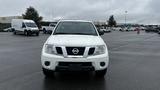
x=44 y=31
x=14 y=32
x=37 y=34
x=48 y=73
x=26 y=33
x=101 y=73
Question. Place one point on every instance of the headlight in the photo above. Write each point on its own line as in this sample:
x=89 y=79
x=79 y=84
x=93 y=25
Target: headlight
x=50 y=49
x=100 y=50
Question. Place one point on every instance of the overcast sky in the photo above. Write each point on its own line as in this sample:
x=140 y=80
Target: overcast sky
x=139 y=11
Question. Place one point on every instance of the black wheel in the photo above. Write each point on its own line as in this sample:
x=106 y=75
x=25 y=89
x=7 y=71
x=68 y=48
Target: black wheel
x=50 y=32
x=37 y=34
x=44 y=31
x=101 y=73
x=26 y=33
x=48 y=73
x=29 y=33
x=14 y=32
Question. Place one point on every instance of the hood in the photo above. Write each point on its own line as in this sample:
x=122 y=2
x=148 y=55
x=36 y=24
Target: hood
x=75 y=40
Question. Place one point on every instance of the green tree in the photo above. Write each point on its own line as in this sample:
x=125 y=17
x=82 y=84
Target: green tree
x=32 y=14
x=111 y=21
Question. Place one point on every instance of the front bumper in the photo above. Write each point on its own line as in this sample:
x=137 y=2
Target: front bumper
x=55 y=60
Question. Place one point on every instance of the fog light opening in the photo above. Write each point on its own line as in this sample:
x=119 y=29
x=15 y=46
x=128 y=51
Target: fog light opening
x=47 y=63
x=102 y=64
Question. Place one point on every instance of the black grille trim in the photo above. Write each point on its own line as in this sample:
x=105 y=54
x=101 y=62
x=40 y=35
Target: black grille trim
x=91 y=51
x=59 y=50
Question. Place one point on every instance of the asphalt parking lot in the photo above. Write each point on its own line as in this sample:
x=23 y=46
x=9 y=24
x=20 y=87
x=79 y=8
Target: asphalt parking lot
x=134 y=64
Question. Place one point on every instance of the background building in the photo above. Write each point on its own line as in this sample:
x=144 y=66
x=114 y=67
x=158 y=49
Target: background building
x=5 y=22
x=9 y=19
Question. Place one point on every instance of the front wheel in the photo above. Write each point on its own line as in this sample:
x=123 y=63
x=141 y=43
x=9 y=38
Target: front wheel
x=14 y=32
x=101 y=73
x=44 y=31
x=37 y=34
x=48 y=73
x=26 y=33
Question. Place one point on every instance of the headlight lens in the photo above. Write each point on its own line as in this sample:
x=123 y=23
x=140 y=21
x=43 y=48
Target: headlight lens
x=100 y=50
x=50 y=49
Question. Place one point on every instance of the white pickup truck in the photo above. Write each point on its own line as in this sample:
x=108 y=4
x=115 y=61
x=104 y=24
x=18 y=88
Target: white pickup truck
x=75 y=45
x=48 y=29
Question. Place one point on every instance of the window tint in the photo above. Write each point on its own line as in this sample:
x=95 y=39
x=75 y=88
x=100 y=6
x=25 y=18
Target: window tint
x=31 y=25
x=23 y=25
x=75 y=28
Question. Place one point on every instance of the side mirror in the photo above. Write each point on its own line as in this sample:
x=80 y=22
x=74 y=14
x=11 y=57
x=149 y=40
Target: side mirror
x=101 y=32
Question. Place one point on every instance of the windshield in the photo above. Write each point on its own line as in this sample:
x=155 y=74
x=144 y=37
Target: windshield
x=30 y=24
x=81 y=28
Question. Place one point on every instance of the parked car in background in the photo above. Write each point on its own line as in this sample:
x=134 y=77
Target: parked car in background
x=149 y=29
x=23 y=26
x=124 y=29
x=129 y=28
x=121 y=29
x=152 y=29
x=107 y=30
x=157 y=29
x=117 y=28
x=132 y=28
x=75 y=45
x=48 y=29
x=7 y=29
x=143 y=28
x=159 y=32
x=102 y=30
